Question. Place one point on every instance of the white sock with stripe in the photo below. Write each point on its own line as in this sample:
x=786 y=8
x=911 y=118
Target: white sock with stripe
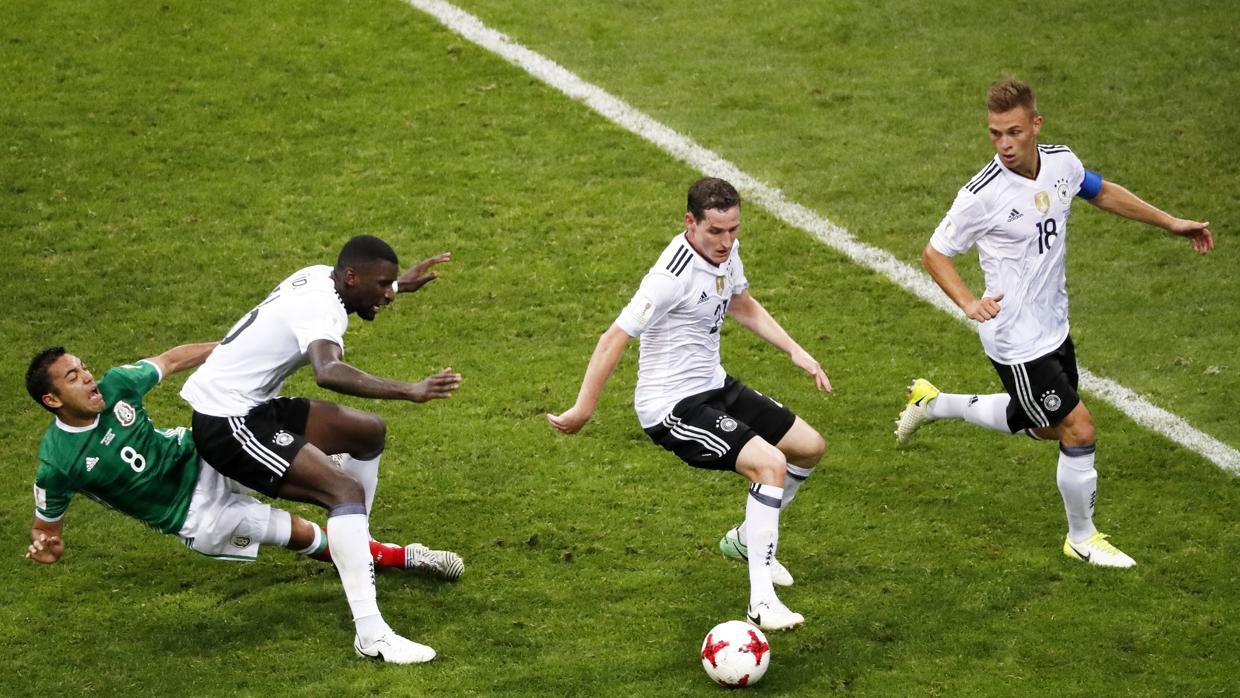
x=367 y=473
x=762 y=523
x=988 y=411
x=793 y=480
x=348 y=537
x=1078 y=485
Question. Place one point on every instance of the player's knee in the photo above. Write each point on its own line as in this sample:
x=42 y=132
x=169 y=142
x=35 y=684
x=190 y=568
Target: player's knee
x=817 y=447
x=373 y=430
x=772 y=468
x=344 y=489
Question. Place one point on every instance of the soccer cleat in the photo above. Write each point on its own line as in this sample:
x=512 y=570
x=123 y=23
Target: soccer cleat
x=730 y=546
x=394 y=649
x=444 y=563
x=773 y=615
x=1097 y=551
x=917 y=411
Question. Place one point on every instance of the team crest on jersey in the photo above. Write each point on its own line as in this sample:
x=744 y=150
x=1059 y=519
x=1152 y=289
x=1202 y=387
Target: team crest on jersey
x=726 y=424
x=125 y=413
x=1043 y=201
x=719 y=284
x=1061 y=190
x=282 y=438
x=241 y=541
x=1051 y=401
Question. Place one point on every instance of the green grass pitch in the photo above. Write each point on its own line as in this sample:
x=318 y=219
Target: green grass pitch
x=164 y=164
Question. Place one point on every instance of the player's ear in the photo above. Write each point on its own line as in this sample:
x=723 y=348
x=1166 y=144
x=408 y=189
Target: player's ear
x=52 y=402
x=690 y=221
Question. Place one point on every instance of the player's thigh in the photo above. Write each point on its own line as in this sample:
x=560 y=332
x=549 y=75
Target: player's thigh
x=255 y=450
x=1041 y=391
x=1077 y=429
x=702 y=436
x=339 y=429
x=771 y=419
x=802 y=444
x=314 y=478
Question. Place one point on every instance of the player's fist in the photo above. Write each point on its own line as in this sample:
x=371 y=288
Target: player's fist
x=569 y=422
x=45 y=549
x=984 y=309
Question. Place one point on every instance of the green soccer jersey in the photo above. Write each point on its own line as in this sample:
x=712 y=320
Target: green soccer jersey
x=122 y=460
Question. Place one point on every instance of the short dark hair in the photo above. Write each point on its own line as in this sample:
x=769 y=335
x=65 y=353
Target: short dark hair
x=38 y=380
x=363 y=249
x=1006 y=95
x=711 y=192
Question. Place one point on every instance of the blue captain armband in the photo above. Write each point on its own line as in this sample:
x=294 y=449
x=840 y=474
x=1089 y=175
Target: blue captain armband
x=1090 y=186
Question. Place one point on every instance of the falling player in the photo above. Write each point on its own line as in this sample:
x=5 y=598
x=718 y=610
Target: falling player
x=1016 y=212
x=690 y=406
x=103 y=444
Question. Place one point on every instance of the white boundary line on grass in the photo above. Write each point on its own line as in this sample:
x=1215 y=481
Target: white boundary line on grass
x=907 y=277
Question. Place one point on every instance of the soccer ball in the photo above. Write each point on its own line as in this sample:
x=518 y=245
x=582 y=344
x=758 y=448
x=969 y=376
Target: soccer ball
x=735 y=654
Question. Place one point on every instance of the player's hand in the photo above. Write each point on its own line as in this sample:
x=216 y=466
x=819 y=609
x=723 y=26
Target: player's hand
x=417 y=276
x=1198 y=234
x=45 y=549
x=569 y=422
x=807 y=363
x=984 y=309
x=437 y=386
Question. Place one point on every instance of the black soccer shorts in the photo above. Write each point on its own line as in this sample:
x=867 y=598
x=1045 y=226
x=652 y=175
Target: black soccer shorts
x=1043 y=390
x=708 y=430
x=258 y=448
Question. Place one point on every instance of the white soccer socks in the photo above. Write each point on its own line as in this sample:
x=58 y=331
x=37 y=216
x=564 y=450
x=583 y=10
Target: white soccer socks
x=348 y=537
x=1078 y=485
x=762 y=529
x=367 y=473
x=989 y=411
x=793 y=478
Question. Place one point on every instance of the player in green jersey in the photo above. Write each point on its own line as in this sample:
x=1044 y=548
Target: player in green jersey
x=105 y=446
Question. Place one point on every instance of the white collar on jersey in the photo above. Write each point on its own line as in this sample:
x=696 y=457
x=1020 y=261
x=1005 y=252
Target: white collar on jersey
x=76 y=430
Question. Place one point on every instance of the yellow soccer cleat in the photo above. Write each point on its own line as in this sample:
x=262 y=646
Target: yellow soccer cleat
x=1097 y=551
x=916 y=412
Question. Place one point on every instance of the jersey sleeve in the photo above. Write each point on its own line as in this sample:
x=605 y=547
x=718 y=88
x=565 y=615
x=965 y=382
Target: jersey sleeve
x=313 y=322
x=51 y=498
x=1091 y=184
x=656 y=296
x=137 y=377
x=961 y=228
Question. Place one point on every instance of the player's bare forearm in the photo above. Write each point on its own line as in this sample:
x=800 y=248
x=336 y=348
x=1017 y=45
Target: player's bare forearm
x=944 y=273
x=46 y=544
x=1114 y=198
x=603 y=361
x=183 y=357
x=332 y=373
x=747 y=311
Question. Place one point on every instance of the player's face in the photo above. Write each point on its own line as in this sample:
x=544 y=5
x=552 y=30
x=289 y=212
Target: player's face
x=369 y=287
x=1015 y=135
x=714 y=235
x=73 y=389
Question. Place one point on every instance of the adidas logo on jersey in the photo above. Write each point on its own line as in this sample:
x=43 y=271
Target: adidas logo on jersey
x=1014 y=215
x=90 y=463
x=703 y=298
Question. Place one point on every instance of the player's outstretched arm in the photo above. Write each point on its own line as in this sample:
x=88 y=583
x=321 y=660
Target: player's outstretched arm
x=1118 y=200
x=183 y=357
x=944 y=273
x=419 y=275
x=46 y=544
x=331 y=372
x=746 y=310
x=607 y=353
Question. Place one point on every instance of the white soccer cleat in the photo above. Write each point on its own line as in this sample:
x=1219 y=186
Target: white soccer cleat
x=1097 y=551
x=773 y=615
x=444 y=563
x=730 y=546
x=917 y=411
x=394 y=649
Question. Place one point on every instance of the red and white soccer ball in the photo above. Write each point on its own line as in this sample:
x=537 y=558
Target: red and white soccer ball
x=735 y=654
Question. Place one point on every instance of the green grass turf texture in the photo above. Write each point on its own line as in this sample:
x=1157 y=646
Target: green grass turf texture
x=162 y=165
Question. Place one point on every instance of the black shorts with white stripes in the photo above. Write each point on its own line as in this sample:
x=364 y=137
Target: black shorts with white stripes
x=1043 y=391
x=709 y=429
x=258 y=448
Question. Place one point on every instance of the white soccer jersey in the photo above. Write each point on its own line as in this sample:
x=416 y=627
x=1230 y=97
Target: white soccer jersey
x=268 y=344
x=1020 y=227
x=678 y=312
